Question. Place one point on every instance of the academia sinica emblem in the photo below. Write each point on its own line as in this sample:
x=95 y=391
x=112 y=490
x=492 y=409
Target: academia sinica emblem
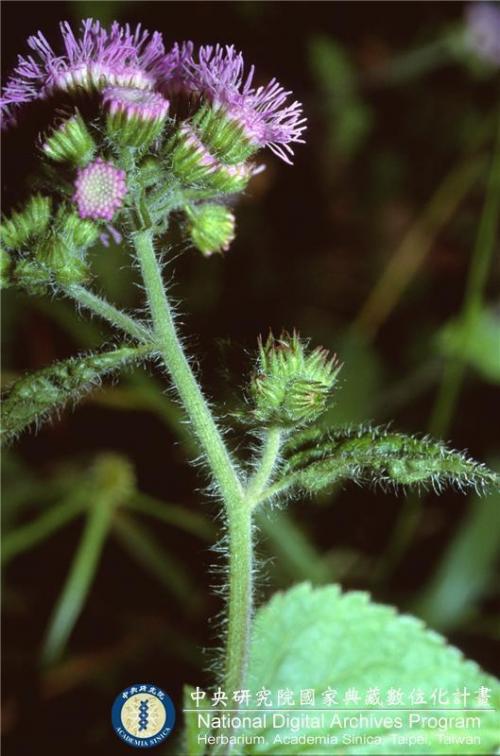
x=143 y=716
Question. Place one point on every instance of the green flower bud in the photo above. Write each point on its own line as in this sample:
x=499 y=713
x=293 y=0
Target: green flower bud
x=64 y=261
x=30 y=222
x=5 y=269
x=77 y=232
x=223 y=136
x=211 y=227
x=70 y=141
x=291 y=386
x=32 y=276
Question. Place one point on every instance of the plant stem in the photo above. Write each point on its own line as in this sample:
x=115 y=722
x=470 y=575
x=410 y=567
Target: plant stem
x=27 y=536
x=265 y=468
x=107 y=311
x=218 y=458
x=415 y=246
x=478 y=273
x=79 y=579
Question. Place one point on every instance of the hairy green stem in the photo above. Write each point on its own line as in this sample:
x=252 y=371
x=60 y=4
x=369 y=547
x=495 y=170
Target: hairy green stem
x=267 y=463
x=219 y=460
x=107 y=311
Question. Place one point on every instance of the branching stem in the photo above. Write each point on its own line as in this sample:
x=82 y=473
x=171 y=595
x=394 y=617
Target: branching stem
x=109 y=312
x=223 y=469
x=266 y=466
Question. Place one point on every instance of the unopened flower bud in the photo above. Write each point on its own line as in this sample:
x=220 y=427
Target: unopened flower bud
x=211 y=227
x=70 y=141
x=65 y=264
x=29 y=222
x=5 y=269
x=77 y=232
x=32 y=276
x=291 y=386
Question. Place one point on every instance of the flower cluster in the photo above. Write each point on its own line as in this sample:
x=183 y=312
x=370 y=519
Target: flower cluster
x=181 y=122
x=135 y=59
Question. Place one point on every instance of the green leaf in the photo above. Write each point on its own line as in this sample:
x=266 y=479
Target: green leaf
x=316 y=459
x=32 y=398
x=477 y=343
x=322 y=638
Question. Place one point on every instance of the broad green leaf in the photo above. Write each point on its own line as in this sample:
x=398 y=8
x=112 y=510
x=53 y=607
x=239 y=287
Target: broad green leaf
x=34 y=396
x=321 y=638
x=477 y=344
x=316 y=459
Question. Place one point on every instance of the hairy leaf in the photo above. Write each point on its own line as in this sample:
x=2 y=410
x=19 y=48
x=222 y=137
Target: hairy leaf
x=34 y=396
x=316 y=459
x=321 y=639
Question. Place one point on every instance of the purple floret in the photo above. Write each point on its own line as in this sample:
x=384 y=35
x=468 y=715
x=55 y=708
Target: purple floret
x=263 y=112
x=96 y=58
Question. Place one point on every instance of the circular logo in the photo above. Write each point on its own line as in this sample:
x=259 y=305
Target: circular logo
x=143 y=716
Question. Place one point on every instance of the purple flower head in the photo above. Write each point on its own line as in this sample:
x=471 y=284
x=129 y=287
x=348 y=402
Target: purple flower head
x=136 y=103
x=96 y=58
x=171 y=70
x=483 y=27
x=99 y=190
x=266 y=118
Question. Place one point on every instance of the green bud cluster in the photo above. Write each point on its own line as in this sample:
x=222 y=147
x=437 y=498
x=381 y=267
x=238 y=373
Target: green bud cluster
x=26 y=224
x=291 y=386
x=63 y=250
x=57 y=252
x=210 y=227
x=70 y=142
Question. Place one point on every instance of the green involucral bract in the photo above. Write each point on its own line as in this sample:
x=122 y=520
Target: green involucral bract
x=26 y=224
x=291 y=385
x=70 y=141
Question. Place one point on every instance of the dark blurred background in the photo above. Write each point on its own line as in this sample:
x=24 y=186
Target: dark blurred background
x=365 y=246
